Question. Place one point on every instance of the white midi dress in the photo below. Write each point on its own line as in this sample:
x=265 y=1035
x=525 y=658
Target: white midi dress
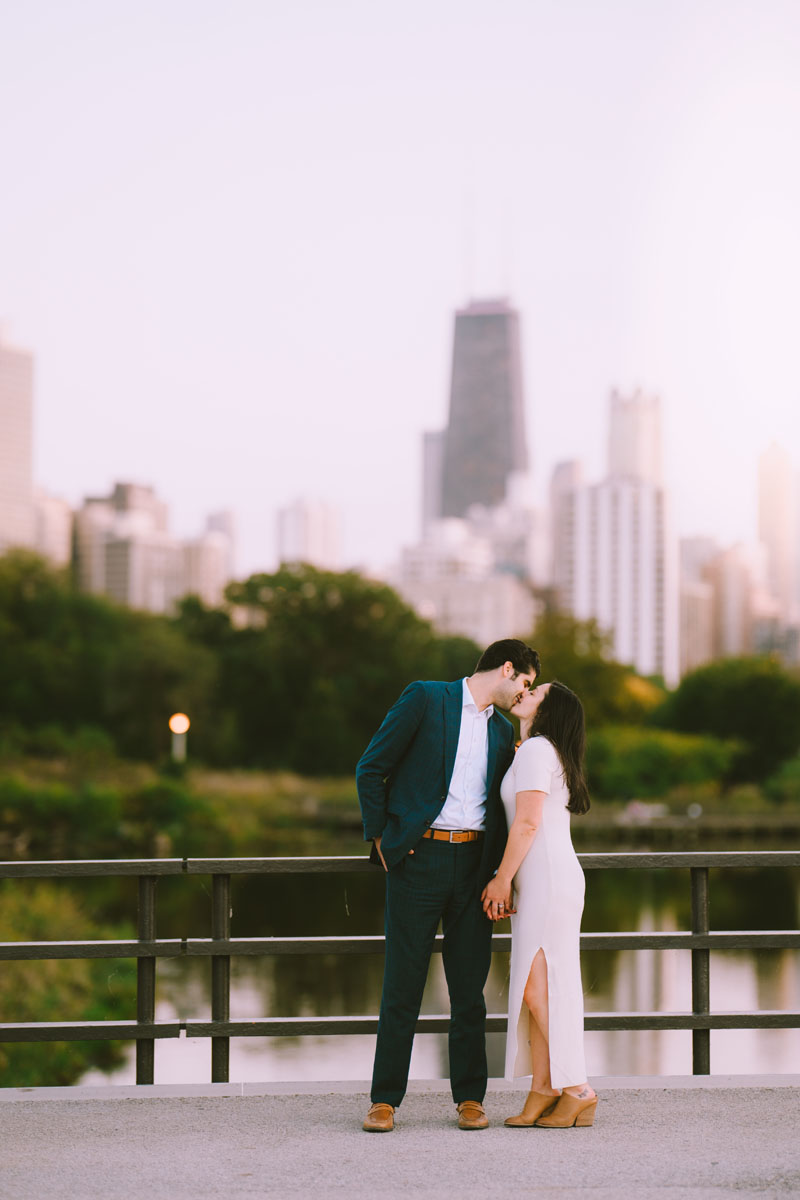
x=549 y=891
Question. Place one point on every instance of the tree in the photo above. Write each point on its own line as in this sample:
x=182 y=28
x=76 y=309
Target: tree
x=752 y=700
x=578 y=653
x=332 y=653
x=624 y=763
x=74 y=660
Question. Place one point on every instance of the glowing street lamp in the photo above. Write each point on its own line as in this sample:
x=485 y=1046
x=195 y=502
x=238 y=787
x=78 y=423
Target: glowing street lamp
x=179 y=724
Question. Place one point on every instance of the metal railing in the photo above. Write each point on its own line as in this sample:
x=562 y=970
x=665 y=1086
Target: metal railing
x=221 y=947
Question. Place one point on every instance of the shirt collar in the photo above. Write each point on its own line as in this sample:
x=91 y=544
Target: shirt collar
x=468 y=701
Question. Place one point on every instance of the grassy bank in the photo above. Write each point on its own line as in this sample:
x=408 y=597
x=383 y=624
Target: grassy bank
x=65 y=808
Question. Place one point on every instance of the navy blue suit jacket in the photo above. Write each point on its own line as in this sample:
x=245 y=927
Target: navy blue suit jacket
x=404 y=774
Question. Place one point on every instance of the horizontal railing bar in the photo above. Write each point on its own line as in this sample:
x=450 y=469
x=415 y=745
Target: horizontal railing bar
x=88 y=1031
x=691 y=858
x=79 y=1031
x=282 y=866
x=768 y=939
x=495 y=1023
x=80 y=867
x=33 y=951
x=765 y=1019
x=624 y=860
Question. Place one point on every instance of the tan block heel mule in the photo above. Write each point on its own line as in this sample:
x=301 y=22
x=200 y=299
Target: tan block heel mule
x=536 y=1105
x=569 y=1113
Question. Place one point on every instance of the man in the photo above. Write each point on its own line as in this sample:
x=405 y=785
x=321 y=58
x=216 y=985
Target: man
x=429 y=789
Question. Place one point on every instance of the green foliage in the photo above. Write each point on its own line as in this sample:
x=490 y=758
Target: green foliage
x=332 y=653
x=53 y=819
x=784 y=786
x=625 y=762
x=70 y=661
x=165 y=816
x=58 y=990
x=578 y=653
x=752 y=700
x=303 y=685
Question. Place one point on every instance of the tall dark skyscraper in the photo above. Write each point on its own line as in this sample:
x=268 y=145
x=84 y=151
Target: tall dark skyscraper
x=484 y=442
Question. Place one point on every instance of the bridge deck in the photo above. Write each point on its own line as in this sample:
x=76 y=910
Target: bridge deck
x=653 y=1138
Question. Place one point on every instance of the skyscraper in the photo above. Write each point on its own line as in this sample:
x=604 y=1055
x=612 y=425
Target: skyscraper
x=777 y=527
x=614 y=553
x=17 y=514
x=634 y=437
x=308 y=532
x=484 y=443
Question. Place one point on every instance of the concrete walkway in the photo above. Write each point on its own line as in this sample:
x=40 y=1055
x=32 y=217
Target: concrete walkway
x=653 y=1138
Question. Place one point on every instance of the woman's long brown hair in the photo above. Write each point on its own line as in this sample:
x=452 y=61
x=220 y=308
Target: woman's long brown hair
x=560 y=718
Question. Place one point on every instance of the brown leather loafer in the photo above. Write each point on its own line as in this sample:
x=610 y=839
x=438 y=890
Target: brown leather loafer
x=379 y=1119
x=471 y=1115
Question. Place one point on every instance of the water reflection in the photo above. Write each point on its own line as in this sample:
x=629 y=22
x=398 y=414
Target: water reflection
x=645 y=980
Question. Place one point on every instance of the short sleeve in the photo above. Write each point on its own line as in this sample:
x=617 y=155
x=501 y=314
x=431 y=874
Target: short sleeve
x=534 y=765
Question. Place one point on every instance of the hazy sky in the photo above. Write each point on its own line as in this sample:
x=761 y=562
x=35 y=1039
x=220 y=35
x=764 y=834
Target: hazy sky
x=234 y=233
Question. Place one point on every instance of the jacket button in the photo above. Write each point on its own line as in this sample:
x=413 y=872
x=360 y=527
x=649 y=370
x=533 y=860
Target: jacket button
x=427 y=821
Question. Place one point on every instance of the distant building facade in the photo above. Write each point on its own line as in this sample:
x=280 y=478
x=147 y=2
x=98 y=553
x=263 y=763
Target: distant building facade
x=634 y=437
x=484 y=444
x=52 y=528
x=450 y=579
x=482 y=539
x=123 y=549
x=779 y=529
x=310 y=531
x=614 y=553
x=17 y=513
x=697 y=638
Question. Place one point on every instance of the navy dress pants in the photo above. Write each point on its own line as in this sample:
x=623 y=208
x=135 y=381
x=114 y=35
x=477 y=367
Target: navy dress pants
x=438 y=882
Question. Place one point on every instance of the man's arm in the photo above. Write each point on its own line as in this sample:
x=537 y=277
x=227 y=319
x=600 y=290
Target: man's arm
x=383 y=754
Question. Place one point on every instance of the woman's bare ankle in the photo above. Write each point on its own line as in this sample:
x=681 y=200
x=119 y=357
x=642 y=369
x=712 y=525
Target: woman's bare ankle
x=545 y=1089
x=581 y=1091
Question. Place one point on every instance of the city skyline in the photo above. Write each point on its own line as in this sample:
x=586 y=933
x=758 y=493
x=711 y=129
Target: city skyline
x=238 y=279
x=642 y=445
x=611 y=553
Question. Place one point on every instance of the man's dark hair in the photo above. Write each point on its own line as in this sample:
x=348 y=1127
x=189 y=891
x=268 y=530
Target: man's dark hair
x=512 y=650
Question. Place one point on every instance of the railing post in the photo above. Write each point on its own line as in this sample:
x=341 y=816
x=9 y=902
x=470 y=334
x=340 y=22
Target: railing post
x=220 y=977
x=146 y=979
x=701 y=1038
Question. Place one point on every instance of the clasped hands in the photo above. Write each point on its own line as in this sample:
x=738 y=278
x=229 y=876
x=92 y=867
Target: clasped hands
x=496 y=899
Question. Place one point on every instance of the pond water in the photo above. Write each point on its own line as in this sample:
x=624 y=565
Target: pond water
x=617 y=900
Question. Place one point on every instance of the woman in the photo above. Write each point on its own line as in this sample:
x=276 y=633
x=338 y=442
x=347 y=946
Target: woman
x=544 y=784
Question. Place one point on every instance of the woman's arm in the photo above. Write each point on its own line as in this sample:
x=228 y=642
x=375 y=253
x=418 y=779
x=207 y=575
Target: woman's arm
x=527 y=819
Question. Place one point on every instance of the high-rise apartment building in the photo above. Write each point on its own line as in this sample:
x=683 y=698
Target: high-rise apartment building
x=566 y=479
x=634 y=437
x=124 y=550
x=482 y=539
x=697 y=603
x=53 y=528
x=778 y=528
x=484 y=444
x=17 y=514
x=614 y=552
x=451 y=579
x=309 y=532
x=207 y=565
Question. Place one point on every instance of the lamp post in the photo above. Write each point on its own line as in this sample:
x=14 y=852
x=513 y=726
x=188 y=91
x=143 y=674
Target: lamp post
x=179 y=724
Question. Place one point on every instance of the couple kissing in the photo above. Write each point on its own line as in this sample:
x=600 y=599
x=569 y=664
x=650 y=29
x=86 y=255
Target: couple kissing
x=468 y=832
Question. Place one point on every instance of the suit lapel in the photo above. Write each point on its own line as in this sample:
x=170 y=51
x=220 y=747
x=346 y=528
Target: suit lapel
x=453 y=703
x=493 y=740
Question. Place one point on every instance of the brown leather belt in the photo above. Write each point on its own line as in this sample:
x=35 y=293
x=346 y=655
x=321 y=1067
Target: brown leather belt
x=454 y=835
